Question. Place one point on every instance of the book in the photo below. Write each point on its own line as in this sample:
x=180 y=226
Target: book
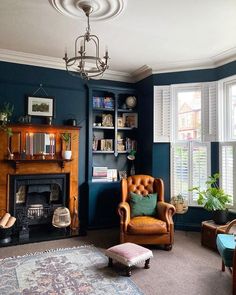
x=100 y=172
x=108 y=103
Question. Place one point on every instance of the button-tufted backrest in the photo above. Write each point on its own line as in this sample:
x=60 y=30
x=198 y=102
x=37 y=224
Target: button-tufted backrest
x=143 y=185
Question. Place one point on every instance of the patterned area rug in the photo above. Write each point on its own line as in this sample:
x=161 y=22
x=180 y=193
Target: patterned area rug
x=70 y=271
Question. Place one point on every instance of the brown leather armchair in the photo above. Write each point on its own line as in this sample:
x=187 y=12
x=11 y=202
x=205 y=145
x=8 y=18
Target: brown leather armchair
x=143 y=230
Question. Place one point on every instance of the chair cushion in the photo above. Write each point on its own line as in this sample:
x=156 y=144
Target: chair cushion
x=146 y=225
x=143 y=205
x=226 y=246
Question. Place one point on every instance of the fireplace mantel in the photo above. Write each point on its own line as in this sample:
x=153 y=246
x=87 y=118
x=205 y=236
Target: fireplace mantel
x=38 y=164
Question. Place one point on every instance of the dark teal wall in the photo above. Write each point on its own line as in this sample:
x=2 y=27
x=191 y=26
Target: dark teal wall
x=19 y=81
x=145 y=123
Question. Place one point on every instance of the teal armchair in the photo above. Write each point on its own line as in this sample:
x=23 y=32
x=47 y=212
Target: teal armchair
x=226 y=245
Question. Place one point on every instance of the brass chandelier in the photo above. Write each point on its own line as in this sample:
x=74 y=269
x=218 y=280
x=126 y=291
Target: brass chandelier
x=83 y=65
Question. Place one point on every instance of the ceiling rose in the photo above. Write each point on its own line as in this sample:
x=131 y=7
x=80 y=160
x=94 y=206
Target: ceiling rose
x=102 y=9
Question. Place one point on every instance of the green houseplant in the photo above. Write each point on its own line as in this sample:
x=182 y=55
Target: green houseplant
x=214 y=199
x=6 y=110
x=66 y=137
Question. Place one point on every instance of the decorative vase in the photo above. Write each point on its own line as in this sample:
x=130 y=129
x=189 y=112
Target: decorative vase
x=66 y=155
x=220 y=216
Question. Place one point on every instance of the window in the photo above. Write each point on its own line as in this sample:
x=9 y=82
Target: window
x=228 y=136
x=190 y=168
x=190 y=165
x=186 y=116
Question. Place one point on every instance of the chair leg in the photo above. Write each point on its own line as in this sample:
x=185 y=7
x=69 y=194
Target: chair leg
x=147 y=264
x=110 y=262
x=234 y=280
x=223 y=266
x=168 y=247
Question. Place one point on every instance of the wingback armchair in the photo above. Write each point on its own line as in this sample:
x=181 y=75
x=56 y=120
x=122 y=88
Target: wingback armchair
x=158 y=229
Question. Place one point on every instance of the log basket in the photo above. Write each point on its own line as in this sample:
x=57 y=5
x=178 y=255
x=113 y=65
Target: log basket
x=5 y=233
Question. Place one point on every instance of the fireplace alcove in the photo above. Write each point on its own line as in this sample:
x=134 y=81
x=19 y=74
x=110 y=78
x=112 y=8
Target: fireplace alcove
x=36 y=196
x=37 y=185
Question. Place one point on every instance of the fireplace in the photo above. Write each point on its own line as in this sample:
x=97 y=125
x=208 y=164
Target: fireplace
x=34 y=197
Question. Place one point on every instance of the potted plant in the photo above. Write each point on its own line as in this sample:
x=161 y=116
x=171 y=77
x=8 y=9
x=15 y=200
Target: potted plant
x=180 y=203
x=214 y=199
x=6 y=111
x=66 y=154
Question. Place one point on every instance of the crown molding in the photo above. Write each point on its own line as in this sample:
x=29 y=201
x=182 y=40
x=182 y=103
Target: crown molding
x=141 y=73
x=54 y=63
x=138 y=75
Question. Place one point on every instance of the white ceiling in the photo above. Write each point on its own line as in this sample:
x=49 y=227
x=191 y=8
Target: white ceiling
x=162 y=35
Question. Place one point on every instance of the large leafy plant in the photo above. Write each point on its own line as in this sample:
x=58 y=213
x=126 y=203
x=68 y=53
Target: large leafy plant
x=213 y=197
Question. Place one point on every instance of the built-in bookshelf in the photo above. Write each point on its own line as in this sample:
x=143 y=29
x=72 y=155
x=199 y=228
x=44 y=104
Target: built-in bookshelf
x=112 y=128
x=112 y=133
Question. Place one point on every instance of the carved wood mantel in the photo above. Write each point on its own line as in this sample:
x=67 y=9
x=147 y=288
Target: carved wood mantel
x=38 y=164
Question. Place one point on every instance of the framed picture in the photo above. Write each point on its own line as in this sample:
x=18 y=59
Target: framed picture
x=130 y=120
x=120 y=122
x=107 y=120
x=40 y=106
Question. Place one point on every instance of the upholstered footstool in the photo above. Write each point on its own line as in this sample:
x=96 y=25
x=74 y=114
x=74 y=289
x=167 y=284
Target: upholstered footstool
x=129 y=254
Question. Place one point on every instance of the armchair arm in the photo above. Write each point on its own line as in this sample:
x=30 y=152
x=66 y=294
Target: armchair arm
x=124 y=212
x=165 y=212
x=232 y=223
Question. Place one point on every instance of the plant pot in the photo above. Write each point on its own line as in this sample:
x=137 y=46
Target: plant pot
x=179 y=207
x=66 y=155
x=220 y=216
x=3 y=117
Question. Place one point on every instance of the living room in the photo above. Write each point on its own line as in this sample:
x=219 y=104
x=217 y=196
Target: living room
x=32 y=66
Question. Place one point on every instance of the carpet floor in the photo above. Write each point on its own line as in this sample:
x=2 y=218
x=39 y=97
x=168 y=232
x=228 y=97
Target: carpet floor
x=189 y=269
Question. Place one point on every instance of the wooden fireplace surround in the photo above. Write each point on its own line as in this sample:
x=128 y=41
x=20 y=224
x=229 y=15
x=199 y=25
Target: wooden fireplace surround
x=39 y=164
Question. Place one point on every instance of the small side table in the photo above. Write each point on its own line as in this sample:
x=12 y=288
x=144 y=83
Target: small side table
x=209 y=233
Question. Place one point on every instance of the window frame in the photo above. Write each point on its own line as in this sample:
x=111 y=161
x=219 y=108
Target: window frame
x=231 y=144
x=176 y=89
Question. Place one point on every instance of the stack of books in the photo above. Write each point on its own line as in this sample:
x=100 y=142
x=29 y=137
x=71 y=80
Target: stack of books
x=99 y=174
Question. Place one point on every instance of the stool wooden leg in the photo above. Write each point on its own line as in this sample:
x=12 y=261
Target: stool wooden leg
x=147 y=263
x=128 y=271
x=110 y=262
x=223 y=266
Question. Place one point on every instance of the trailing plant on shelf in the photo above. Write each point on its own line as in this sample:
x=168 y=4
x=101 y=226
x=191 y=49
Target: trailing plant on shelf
x=6 y=111
x=213 y=198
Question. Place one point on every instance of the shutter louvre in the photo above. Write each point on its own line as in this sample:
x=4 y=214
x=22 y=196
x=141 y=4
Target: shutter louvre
x=209 y=111
x=161 y=115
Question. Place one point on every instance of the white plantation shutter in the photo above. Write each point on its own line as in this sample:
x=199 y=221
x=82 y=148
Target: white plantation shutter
x=180 y=169
x=200 y=168
x=162 y=114
x=190 y=168
x=227 y=168
x=209 y=111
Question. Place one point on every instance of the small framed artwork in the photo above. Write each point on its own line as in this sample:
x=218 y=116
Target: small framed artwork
x=120 y=122
x=130 y=120
x=107 y=120
x=122 y=174
x=40 y=106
